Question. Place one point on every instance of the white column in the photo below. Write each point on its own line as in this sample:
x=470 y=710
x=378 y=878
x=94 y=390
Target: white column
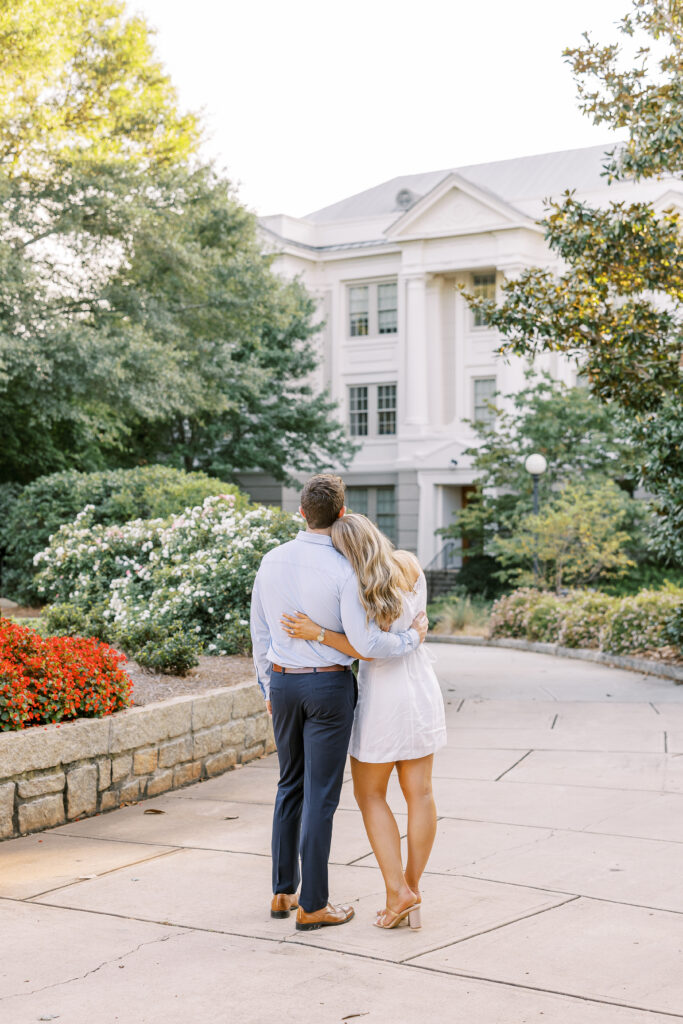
x=415 y=397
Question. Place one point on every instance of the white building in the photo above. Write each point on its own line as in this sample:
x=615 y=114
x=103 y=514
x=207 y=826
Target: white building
x=401 y=351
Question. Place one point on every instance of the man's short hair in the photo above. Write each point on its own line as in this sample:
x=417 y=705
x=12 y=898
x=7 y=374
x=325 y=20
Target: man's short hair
x=322 y=499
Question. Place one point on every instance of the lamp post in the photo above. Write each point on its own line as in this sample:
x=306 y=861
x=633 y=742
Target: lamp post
x=536 y=465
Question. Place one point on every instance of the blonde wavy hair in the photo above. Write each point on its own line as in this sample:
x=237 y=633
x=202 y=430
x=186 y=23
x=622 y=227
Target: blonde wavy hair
x=384 y=574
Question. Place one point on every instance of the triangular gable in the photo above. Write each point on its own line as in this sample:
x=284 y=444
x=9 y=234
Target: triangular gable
x=455 y=207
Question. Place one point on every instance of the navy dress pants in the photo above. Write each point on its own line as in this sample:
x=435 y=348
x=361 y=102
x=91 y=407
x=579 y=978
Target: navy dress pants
x=312 y=719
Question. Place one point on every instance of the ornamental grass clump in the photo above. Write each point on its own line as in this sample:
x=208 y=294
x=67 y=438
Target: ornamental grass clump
x=57 y=678
x=164 y=589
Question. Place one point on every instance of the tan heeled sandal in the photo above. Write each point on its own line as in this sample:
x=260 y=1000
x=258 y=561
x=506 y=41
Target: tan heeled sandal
x=387 y=918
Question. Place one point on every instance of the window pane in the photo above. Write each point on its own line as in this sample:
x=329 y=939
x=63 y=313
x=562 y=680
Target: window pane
x=386 y=511
x=357 y=500
x=484 y=390
x=484 y=285
x=387 y=310
x=386 y=409
x=358 y=411
x=358 y=311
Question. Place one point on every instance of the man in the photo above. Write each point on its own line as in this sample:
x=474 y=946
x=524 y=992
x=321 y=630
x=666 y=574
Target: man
x=311 y=696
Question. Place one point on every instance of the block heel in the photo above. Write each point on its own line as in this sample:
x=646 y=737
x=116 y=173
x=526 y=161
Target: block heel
x=415 y=918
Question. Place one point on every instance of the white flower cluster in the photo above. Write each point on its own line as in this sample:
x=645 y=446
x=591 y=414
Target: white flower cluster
x=195 y=570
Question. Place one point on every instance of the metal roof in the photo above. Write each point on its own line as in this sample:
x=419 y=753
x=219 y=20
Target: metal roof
x=526 y=177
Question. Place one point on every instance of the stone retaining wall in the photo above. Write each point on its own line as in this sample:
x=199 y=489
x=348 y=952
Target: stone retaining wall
x=57 y=773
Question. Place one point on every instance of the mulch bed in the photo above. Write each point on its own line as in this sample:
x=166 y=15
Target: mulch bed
x=210 y=673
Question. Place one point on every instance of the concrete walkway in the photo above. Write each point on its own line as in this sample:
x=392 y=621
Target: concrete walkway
x=554 y=893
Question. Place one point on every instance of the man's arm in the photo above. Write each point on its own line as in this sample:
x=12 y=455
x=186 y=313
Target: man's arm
x=260 y=640
x=369 y=640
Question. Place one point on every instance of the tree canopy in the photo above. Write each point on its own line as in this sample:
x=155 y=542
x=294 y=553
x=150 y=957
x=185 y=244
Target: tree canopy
x=617 y=304
x=139 y=319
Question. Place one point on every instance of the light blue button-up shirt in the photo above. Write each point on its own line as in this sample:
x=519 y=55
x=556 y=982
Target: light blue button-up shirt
x=309 y=575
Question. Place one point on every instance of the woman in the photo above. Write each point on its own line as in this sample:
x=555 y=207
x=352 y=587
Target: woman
x=399 y=720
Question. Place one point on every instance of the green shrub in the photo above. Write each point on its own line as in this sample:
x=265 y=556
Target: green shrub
x=641 y=622
x=163 y=649
x=674 y=627
x=583 y=618
x=510 y=613
x=644 y=576
x=113 y=496
x=190 y=575
x=478 y=577
x=543 y=619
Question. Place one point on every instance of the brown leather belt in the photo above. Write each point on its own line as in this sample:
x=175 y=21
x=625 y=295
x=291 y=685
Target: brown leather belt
x=302 y=671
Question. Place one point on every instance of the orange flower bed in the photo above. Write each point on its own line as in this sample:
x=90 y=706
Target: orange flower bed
x=57 y=679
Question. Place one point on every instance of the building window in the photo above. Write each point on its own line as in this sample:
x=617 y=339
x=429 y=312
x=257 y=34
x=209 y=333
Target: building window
x=358 y=411
x=357 y=500
x=373 y=309
x=372 y=410
x=386 y=409
x=378 y=504
x=484 y=390
x=387 y=308
x=359 y=311
x=483 y=285
x=386 y=511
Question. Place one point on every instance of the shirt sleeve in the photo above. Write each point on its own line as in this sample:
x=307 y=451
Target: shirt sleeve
x=260 y=640
x=369 y=640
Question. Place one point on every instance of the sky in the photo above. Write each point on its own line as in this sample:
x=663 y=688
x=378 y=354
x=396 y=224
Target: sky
x=305 y=102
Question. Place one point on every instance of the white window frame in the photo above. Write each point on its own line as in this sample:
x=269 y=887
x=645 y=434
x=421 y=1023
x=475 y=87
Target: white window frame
x=373 y=310
x=482 y=328
x=475 y=380
x=372 y=491
x=373 y=409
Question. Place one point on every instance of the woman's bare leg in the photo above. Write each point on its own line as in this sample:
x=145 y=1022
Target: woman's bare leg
x=370 y=783
x=415 y=778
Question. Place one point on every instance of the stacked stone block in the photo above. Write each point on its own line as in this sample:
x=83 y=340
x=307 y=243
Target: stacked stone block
x=58 y=773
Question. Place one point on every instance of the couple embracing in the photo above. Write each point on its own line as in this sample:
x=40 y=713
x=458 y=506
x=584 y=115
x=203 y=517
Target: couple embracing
x=337 y=593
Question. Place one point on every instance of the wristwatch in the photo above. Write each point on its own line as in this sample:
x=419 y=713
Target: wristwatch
x=321 y=635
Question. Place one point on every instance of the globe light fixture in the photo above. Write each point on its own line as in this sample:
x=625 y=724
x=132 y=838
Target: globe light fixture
x=536 y=464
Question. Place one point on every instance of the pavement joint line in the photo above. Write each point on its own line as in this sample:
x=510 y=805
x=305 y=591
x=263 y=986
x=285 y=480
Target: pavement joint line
x=513 y=765
x=588 y=830
x=666 y=742
x=554 y=721
x=494 y=928
x=102 y=874
x=460 y=705
x=550 y=991
x=171 y=847
x=295 y=940
x=541 y=888
x=573 y=785
x=654 y=708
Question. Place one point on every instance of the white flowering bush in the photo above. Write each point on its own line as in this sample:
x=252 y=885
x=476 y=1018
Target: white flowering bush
x=183 y=583
x=641 y=622
x=645 y=621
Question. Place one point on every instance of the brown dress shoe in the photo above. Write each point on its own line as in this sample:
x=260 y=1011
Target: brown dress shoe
x=282 y=903
x=329 y=915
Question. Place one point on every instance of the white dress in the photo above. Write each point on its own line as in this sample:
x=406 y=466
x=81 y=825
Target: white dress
x=400 y=711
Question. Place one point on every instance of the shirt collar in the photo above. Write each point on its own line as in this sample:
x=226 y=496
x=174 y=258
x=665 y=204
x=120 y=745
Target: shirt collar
x=314 y=538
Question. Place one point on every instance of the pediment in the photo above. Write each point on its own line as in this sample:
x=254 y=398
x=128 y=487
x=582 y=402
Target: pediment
x=456 y=207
